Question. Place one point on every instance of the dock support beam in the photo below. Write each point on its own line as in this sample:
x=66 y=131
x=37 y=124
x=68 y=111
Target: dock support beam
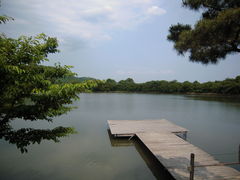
x=239 y=153
x=192 y=166
x=185 y=135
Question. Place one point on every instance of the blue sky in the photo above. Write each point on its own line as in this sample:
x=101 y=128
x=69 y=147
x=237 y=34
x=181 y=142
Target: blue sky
x=115 y=38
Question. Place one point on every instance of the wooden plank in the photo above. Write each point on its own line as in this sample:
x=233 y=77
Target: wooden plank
x=125 y=127
x=172 y=151
x=174 y=154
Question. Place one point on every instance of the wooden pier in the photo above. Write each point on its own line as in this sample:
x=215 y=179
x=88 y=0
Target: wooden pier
x=162 y=139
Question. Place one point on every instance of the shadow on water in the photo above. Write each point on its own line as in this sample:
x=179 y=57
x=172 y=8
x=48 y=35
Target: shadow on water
x=23 y=137
x=157 y=169
x=217 y=98
x=26 y=136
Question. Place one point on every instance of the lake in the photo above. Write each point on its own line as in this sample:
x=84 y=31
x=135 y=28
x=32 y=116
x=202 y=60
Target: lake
x=213 y=124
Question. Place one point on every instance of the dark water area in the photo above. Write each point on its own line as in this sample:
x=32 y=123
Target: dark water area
x=213 y=124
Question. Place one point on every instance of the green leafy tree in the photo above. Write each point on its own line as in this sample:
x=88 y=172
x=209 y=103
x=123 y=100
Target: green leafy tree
x=230 y=86
x=226 y=87
x=214 y=36
x=187 y=86
x=28 y=89
x=127 y=85
x=110 y=85
x=4 y=19
x=196 y=87
x=174 y=87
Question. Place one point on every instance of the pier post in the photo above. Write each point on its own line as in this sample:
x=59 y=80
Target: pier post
x=185 y=135
x=192 y=166
x=239 y=153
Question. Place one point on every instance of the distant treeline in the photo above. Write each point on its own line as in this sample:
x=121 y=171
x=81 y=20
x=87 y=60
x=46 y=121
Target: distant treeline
x=73 y=79
x=226 y=87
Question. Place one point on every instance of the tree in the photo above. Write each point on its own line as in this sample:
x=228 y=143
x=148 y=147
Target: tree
x=28 y=89
x=127 y=85
x=187 y=87
x=4 y=18
x=110 y=85
x=214 y=36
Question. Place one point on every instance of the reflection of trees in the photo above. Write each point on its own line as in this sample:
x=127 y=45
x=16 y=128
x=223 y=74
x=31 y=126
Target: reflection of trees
x=26 y=136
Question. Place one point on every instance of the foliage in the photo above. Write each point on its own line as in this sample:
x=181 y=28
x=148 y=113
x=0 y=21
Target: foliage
x=4 y=19
x=29 y=90
x=214 y=36
x=74 y=79
x=226 y=87
x=23 y=78
x=126 y=85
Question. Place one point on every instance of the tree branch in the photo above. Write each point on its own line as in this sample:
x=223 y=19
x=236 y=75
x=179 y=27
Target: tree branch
x=212 y=7
x=237 y=50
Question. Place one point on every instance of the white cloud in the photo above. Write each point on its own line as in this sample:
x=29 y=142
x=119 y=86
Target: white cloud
x=91 y=19
x=155 y=10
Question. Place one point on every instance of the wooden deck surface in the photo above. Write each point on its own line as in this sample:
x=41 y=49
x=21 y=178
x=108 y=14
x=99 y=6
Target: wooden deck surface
x=132 y=127
x=172 y=151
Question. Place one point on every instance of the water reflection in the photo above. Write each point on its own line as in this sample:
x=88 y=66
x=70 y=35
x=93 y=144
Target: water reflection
x=157 y=169
x=24 y=137
x=217 y=98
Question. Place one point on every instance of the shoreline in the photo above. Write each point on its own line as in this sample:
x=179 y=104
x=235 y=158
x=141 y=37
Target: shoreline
x=188 y=93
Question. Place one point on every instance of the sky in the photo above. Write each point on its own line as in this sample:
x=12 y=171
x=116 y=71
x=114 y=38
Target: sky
x=115 y=39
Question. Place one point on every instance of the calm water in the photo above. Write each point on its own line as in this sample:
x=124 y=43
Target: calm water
x=213 y=123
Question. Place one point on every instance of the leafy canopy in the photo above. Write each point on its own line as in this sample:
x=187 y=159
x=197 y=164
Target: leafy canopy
x=31 y=91
x=225 y=87
x=214 y=36
x=30 y=87
x=4 y=18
